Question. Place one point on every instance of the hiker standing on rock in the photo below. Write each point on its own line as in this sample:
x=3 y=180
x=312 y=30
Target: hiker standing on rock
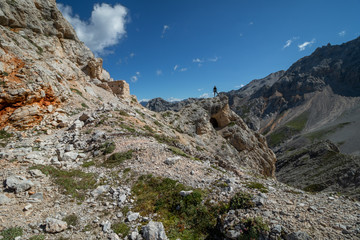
x=215 y=91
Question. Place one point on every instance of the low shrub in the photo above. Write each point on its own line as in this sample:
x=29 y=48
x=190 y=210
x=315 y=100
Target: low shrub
x=11 y=233
x=117 y=158
x=71 y=220
x=121 y=228
x=74 y=182
x=256 y=185
x=241 y=200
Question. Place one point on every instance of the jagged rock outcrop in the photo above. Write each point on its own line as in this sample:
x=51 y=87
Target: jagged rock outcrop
x=42 y=63
x=225 y=134
x=161 y=105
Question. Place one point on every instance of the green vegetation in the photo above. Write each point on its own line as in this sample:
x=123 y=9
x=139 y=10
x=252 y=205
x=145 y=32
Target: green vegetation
x=166 y=114
x=123 y=113
x=117 y=158
x=3 y=73
x=84 y=105
x=71 y=220
x=164 y=139
x=241 y=200
x=4 y=134
x=157 y=123
x=121 y=228
x=314 y=188
x=178 y=151
x=253 y=228
x=124 y=126
x=109 y=147
x=183 y=217
x=140 y=113
x=74 y=182
x=37 y=237
x=290 y=129
x=76 y=91
x=88 y=164
x=322 y=133
x=231 y=124
x=11 y=233
x=256 y=185
x=149 y=129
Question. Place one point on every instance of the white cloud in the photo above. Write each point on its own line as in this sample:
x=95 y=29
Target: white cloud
x=342 y=33
x=251 y=23
x=200 y=89
x=183 y=70
x=204 y=95
x=105 y=27
x=165 y=29
x=288 y=43
x=304 y=45
x=200 y=61
x=159 y=72
x=134 y=79
x=132 y=55
x=172 y=99
x=197 y=60
x=215 y=59
x=144 y=100
x=242 y=85
x=241 y=34
x=176 y=67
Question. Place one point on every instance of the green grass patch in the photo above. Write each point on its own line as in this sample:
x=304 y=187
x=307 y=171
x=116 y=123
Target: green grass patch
x=253 y=228
x=37 y=237
x=166 y=114
x=140 y=113
x=123 y=113
x=183 y=217
x=71 y=220
x=241 y=200
x=258 y=186
x=121 y=228
x=178 y=151
x=4 y=134
x=149 y=129
x=109 y=147
x=165 y=139
x=74 y=182
x=11 y=233
x=124 y=126
x=157 y=123
x=77 y=91
x=317 y=135
x=84 y=105
x=88 y=164
x=290 y=129
x=117 y=158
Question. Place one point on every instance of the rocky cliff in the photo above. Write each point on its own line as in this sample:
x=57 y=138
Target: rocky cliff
x=42 y=64
x=81 y=159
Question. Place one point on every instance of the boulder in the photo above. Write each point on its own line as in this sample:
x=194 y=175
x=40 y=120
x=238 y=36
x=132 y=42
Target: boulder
x=18 y=183
x=53 y=225
x=154 y=231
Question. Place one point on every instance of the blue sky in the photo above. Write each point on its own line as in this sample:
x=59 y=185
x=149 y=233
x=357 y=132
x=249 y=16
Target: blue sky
x=177 y=49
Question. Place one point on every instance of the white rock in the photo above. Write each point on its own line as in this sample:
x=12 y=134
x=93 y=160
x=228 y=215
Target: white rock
x=53 y=225
x=154 y=231
x=133 y=216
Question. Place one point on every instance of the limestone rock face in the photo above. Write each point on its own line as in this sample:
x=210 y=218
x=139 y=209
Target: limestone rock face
x=120 y=88
x=43 y=63
x=225 y=134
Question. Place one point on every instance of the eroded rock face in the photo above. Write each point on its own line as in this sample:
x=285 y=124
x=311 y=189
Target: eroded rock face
x=42 y=63
x=226 y=135
x=120 y=88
